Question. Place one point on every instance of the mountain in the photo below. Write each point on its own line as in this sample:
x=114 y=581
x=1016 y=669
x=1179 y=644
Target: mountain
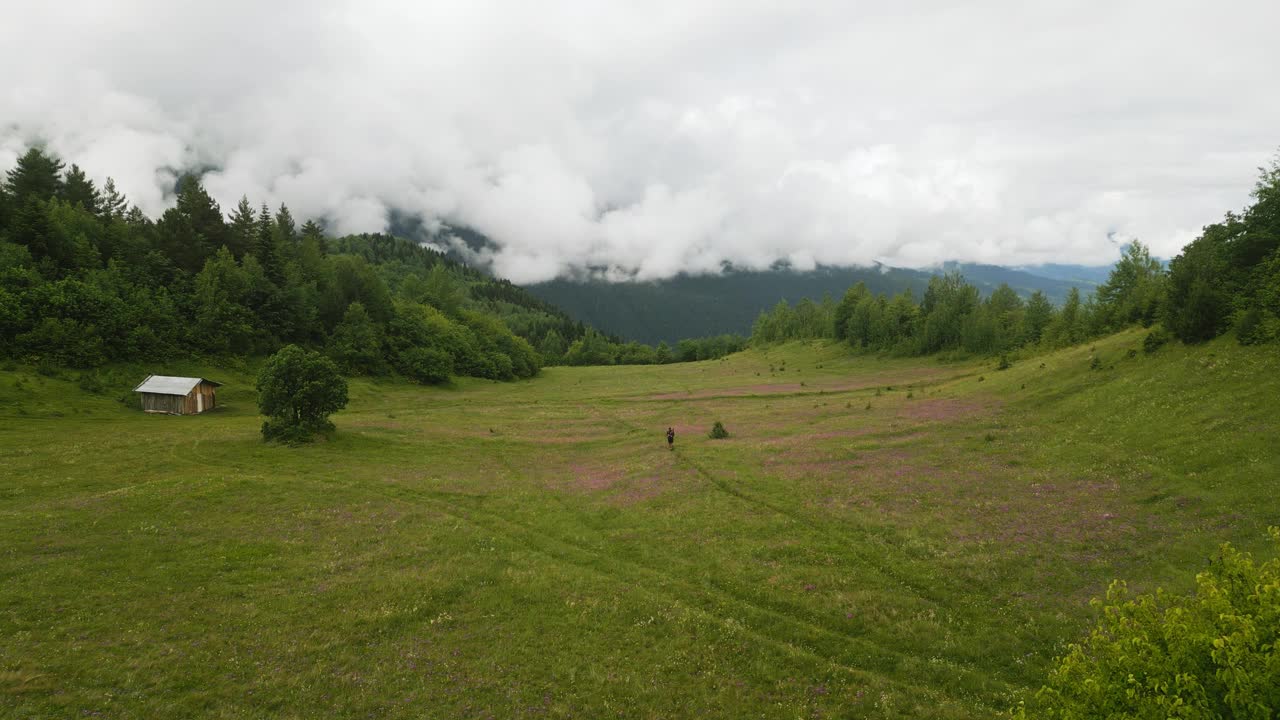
x=1085 y=274
x=698 y=306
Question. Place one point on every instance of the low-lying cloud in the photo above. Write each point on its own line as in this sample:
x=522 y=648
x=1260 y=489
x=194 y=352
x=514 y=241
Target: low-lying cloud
x=653 y=138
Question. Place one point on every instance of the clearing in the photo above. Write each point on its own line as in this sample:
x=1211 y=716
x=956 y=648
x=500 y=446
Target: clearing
x=877 y=538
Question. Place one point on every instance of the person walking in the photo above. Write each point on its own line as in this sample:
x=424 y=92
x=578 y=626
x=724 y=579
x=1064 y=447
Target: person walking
x=671 y=438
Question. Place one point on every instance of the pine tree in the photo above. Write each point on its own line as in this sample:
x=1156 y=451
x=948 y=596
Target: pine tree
x=203 y=212
x=193 y=230
x=264 y=247
x=243 y=230
x=78 y=189
x=286 y=229
x=1036 y=318
x=31 y=227
x=36 y=173
x=114 y=205
x=312 y=232
x=6 y=207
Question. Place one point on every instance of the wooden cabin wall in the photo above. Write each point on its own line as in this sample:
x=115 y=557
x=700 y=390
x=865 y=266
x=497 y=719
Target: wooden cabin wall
x=153 y=402
x=181 y=404
x=210 y=396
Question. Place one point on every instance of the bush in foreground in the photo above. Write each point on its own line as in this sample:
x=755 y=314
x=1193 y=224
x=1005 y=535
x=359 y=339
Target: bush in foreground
x=297 y=390
x=718 y=432
x=1212 y=654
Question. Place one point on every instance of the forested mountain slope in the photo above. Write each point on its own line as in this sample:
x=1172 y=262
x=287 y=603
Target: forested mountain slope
x=694 y=306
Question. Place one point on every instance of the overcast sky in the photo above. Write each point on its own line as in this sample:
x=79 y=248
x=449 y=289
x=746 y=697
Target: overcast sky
x=659 y=136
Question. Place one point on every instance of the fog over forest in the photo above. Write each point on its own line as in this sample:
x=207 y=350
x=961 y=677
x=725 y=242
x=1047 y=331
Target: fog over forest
x=661 y=137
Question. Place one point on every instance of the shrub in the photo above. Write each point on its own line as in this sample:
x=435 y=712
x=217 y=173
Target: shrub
x=297 y=390
x=1004 y=363
x=1257 y=326
x=426 y=365
x=1155 y=340
x=48 y=368
x=91 y=382
x=1095 y=363
x=1210 y=654
x=718 y=432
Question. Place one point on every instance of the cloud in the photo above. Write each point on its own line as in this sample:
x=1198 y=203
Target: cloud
x=647 y=139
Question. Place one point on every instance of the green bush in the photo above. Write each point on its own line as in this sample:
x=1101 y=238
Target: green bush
x=91 y=382
x=1211 y=654
x=1257 y=326
x=48 y=368
x=426 y=365
x=1004 y=363
x=718 y=432
x=1155 y=340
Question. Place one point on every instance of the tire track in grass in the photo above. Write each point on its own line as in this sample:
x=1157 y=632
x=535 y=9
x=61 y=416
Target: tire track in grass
x=919 y=588
x=714 y=602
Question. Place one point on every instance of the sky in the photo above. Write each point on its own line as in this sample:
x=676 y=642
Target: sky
x=636 y=140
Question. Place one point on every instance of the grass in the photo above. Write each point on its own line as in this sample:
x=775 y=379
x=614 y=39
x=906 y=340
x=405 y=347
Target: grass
x=533 y=549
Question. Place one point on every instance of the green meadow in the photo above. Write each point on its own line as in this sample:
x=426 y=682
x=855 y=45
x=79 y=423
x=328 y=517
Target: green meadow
x=876 y=538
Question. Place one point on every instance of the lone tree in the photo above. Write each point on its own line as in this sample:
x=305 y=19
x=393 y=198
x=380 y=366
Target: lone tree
x=297 y=390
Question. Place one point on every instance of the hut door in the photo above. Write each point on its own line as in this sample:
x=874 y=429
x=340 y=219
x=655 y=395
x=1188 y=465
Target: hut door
x=199 y=401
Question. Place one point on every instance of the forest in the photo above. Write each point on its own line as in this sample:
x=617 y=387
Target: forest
x=86 y=279
x=1226 y=279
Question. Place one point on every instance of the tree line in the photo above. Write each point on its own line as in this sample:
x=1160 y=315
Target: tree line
x=86 y=279
x=1227 y=279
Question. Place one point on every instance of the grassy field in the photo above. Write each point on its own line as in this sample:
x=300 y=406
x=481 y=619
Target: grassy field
x=877 y=538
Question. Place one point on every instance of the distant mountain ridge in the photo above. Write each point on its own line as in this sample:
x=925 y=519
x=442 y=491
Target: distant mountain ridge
x=698 y=306
x=688 y=306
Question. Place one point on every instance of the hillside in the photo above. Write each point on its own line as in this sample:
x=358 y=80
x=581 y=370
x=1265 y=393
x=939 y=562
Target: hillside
x=877 y=538
x=86 y=280
x=697 y=306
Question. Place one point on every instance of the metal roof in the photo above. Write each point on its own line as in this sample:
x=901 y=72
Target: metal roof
x=170 y=385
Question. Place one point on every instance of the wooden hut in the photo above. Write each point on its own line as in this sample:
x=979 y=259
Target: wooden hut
x=177 y=395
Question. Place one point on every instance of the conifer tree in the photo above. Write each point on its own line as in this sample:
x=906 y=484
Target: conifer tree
x=264 y=247
x=313 y=233
x=286 y=229
x=1036 y=318
x=78 y=189
x=243 y=230
x=203 y=213
x=114 y=205
x=37 y=173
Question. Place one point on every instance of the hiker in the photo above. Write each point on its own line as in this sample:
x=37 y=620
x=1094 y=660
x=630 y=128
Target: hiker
x=671 y=438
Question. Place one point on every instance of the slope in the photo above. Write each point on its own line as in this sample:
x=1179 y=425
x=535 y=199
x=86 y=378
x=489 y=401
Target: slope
x=698 y=306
